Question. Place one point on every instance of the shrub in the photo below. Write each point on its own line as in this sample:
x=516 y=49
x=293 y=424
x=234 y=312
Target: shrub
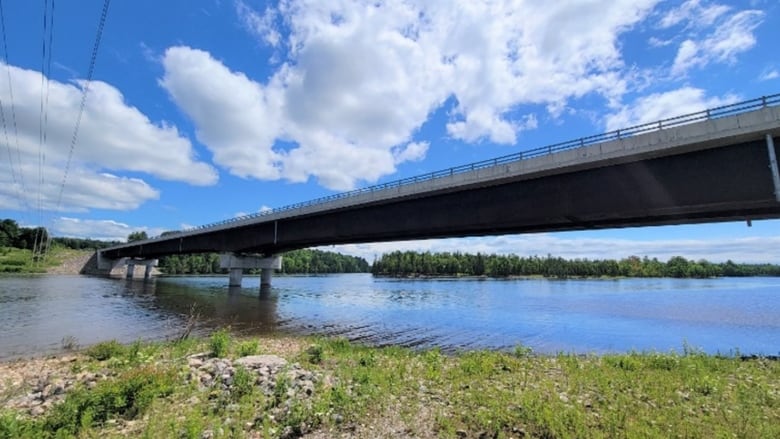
x=314 y=354
x=243 y=382
x=105 y=350
x=220 y=343
x=249 y=347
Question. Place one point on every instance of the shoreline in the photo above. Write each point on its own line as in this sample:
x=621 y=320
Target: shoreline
x=295 y=386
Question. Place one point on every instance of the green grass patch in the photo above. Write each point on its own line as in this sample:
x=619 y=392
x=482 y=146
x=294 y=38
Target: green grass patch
x=426 y=393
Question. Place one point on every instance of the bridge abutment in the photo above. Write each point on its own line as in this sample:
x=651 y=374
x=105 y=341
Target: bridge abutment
x=236 y=264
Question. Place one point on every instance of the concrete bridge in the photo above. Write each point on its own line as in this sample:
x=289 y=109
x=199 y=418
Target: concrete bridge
x=715 y=165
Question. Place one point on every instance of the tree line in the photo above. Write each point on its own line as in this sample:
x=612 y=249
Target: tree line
x=304 y=261
x=16 y=236
x=410 y=263
x=13 y=235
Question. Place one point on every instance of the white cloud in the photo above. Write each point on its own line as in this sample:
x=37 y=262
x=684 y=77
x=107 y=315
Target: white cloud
x=359 y=78
x=769 y=74
x=235 y=117
x=741 y=249
x=659 y=106
x=113 y=137
x=694 y=13
x=103 y=230
x=412 y=152
x=715 y=34
x=262 y=25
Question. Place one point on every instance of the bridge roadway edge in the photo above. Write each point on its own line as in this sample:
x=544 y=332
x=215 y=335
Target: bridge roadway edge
x=264 y=234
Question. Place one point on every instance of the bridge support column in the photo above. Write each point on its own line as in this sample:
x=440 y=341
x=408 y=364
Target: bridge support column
x=235 y=277
x=770 y=144
x=265 y=277
x=148 y=263
x=237 y=263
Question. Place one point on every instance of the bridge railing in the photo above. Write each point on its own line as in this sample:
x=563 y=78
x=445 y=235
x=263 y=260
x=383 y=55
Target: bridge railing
x=712 y=113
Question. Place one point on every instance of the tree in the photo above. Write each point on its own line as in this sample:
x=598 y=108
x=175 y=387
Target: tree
x=137 y=236
x=9 y=233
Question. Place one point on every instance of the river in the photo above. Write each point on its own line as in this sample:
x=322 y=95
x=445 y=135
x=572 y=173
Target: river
x=40 y=314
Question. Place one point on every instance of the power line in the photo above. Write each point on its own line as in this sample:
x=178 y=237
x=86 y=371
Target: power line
x=85 y=91
x=82 y=106
x=48 y=31
x=21 y=191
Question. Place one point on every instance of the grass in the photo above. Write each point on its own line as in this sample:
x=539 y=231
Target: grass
x=21 y=261
x=372 y=392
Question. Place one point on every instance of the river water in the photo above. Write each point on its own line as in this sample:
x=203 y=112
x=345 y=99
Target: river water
x=39 y=314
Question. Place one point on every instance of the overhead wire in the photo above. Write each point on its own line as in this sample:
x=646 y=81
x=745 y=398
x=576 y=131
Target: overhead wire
x=17 y=173
x=84 y=94
x=46 y=55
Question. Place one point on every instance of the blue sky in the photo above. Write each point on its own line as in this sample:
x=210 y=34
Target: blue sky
x=201 y=111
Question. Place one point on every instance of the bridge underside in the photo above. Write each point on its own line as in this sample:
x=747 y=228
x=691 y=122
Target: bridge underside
x=720 y=184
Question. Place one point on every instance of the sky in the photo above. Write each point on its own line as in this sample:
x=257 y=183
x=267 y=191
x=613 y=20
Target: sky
x=201 y=111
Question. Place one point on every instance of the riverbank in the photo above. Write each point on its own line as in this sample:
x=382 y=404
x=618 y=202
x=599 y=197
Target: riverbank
x=322 y=388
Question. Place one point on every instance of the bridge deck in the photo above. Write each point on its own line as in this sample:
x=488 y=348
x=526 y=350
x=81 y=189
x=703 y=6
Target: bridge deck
x=707 y=145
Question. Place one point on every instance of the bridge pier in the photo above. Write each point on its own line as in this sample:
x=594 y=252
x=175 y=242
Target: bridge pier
x=148 y=263
x=108 y=264
x=238 y=263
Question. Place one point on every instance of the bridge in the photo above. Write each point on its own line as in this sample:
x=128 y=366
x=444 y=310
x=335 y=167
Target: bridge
x=716 y=165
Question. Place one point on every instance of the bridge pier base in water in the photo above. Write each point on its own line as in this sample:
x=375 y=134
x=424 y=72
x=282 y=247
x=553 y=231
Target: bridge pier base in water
x=106 y=264
x=236 y=264
x=148 y=263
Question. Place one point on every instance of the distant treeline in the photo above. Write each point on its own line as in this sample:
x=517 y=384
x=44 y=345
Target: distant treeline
x=294 y=262
x=463 y=264
x=12 y=235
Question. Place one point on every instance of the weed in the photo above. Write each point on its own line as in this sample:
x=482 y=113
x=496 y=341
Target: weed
x=127 y=396
x=523 y=351
x=105 y=350
x=243 y=383
x=249 y=347
x=314 y=354
x=219 y=342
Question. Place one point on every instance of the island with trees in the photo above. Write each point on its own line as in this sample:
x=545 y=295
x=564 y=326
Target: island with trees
x=412 y=264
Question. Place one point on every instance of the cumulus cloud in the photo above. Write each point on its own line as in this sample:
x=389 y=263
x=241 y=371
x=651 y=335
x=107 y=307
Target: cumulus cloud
x=664 y=105
x=715 y=34
x=103 y=230
x=769 y=74
x=357 y=80
x=113 y=137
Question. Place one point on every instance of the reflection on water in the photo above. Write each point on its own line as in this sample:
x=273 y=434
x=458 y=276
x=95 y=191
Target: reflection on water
x=717 y=315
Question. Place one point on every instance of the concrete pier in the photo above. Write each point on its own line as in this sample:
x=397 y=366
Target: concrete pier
x=148 y=263
x=236 y=264
x=107 y=265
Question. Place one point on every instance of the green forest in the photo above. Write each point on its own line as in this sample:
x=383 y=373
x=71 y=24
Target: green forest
x=294 y=262
x=463 y=264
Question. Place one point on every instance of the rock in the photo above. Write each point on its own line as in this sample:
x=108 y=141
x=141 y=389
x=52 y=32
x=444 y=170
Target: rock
x=260 y=361
x=37 y=410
